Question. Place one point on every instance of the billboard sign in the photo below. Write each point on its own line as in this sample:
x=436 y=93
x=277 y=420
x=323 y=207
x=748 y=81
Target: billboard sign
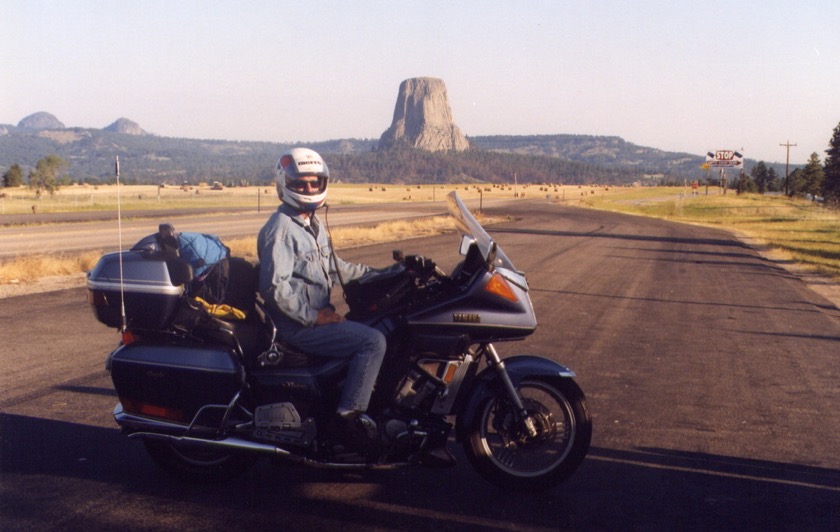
x=725 y=159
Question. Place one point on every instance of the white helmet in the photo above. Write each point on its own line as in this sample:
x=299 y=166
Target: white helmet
x=294 y=165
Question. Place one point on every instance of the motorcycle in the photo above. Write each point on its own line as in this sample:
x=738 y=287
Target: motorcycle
x=207 y=396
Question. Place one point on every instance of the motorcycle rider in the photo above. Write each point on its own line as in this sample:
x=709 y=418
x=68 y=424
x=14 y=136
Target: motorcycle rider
x=297 y=271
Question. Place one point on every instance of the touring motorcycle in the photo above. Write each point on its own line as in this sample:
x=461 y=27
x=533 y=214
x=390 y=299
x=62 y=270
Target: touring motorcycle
x=208 y=395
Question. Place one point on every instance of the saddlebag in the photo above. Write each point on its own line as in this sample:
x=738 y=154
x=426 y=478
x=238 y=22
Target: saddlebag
x=174 y=382
x=152 y=285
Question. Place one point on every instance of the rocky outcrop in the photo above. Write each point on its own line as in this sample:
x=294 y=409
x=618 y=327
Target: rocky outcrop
x=423 y=119
x=40 y=121
x=126 y=127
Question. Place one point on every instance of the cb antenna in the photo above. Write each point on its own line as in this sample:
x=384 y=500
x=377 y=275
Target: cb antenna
x=120 y=255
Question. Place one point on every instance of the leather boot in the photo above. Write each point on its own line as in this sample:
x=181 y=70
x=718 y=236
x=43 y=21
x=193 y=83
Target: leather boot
x=358 y=431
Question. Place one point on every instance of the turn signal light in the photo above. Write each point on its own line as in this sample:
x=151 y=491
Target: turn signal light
x=497 y=285
x=128 y=337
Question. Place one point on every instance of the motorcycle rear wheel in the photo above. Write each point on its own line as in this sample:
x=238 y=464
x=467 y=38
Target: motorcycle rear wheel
x=193 y=464
x=501 y=451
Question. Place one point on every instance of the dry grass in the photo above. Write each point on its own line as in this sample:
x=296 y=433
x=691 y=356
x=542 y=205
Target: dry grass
x=83 y=198
x=348 y=237
x=34 y=267
x=149 y=197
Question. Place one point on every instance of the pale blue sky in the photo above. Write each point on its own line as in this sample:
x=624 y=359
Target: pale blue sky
x=680 y=75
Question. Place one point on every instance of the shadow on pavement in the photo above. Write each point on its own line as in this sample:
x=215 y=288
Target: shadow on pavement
x=64 y=475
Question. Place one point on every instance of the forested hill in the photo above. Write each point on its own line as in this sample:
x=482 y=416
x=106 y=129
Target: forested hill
x=610 y=152
x=152 y=159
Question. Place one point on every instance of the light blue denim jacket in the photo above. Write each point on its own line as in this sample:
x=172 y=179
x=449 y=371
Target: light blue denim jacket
x=296 y=271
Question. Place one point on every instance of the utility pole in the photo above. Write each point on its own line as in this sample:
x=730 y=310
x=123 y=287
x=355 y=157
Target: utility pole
x=788 y=146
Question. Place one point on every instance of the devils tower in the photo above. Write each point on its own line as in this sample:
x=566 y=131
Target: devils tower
x=423 y=119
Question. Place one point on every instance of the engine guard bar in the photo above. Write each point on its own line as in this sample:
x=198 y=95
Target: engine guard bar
x=141 y=423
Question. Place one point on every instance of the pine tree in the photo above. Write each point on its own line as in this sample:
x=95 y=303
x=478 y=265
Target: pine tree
x=813 y=176
x=796 y=183
x=774 y=184
x=831 y=184
x=760 y=176
x=47 y=174
x=13 y=176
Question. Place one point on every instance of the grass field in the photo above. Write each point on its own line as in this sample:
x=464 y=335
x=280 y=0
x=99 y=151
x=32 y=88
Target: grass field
x=797 y=230
x=30 y=268
x=147 y=197
x=33 y=267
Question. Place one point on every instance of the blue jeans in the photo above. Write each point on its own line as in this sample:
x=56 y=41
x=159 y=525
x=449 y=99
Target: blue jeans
x=363 y=345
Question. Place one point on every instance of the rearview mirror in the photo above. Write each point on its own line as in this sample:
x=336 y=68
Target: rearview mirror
x=466 y=242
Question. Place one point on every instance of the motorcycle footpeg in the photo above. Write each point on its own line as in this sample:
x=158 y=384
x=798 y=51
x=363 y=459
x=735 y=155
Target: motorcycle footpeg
x=438 y=457
x=358 y=424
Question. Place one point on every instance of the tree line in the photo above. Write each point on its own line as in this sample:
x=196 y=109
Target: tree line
x=402 y=165
x=816 y=179
x=48 y=174
x=154 y=160
x=414 y=166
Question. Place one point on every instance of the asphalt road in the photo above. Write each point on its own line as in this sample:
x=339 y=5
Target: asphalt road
x=711 y=375
x=70 y=232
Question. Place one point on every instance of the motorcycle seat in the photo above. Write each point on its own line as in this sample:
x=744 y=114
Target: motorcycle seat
x=255 y=340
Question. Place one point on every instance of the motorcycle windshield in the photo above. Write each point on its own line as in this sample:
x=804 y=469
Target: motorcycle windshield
x=468 y=225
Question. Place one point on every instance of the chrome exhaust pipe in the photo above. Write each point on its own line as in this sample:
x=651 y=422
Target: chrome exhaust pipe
x=229 y=443
x=238 y=444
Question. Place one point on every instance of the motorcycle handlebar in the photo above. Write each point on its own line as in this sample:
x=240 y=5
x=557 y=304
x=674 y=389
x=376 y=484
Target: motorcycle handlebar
x=419 y=266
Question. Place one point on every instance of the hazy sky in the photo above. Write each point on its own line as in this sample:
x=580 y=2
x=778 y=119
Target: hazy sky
x=676 y=75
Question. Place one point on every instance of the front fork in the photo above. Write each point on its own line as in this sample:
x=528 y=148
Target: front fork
x=496 y=362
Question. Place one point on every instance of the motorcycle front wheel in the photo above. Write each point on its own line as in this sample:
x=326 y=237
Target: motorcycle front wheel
x=502 y=451
x=194 y=464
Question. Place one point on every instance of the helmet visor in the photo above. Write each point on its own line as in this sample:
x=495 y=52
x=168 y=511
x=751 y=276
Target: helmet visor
x=307 y=185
